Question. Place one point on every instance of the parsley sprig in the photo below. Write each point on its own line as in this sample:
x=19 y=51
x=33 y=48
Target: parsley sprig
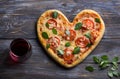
x=103 y=62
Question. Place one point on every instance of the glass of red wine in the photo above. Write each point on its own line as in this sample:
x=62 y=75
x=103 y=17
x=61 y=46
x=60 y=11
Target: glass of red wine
x=20 y=50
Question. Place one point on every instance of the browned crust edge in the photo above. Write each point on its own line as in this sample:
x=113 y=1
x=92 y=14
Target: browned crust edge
x=84 y=55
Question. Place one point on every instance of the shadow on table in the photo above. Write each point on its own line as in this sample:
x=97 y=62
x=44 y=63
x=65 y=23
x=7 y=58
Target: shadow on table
x=5 y=58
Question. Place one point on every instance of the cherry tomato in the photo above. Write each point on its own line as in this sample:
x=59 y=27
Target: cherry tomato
x=70 y=36
x=82 y=41
x=52 y=23
x=68 y=56
x=54 y=42
x=88 y=24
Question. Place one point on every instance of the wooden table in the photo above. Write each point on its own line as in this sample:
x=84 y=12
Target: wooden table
x=18 y=20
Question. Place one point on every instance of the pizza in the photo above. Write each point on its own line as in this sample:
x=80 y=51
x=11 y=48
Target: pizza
x=69 y=43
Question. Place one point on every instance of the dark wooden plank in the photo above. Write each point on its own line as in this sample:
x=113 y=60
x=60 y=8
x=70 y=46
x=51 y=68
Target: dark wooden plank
x=23 y=26
x=18 y=18
x=108 y=47
x=36 y=72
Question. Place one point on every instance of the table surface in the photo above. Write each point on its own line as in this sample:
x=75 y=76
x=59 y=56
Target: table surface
x=18 y=19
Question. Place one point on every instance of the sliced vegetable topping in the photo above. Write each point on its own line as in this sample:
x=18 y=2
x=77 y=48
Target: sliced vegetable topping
x=71 y=36
x=82 y=41
x=97 y=20
x=45 y=35
x=78 y=26
x=54 y=42
x=94 y=34
x=67 y=44
x=54 y=31
x=51 y=23
x=88 y=24
x=68 y=56
x=76 y=50
x=55 y=14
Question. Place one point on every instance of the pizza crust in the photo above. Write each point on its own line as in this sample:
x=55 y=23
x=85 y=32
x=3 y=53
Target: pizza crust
x=63 y=17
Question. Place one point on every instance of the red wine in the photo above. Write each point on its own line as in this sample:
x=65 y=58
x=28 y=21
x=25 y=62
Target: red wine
x=20 y=49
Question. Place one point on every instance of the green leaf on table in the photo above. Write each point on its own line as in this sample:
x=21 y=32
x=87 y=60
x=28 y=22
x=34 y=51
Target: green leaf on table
x=104 y=57
x=116 y=73
x=110 y=73
x=89 y=68
x=96 y=59
x=115 y=59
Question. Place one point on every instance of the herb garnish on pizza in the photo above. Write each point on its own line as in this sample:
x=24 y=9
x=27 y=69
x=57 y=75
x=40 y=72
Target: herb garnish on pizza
x=69 y=43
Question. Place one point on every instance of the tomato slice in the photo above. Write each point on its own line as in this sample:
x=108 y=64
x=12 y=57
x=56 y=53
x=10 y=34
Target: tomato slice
x=94 y=35
x=52 y=23
x=88 y=24
x=54 y=42
x=70 y=36
x=82 y=41
x=68 y=56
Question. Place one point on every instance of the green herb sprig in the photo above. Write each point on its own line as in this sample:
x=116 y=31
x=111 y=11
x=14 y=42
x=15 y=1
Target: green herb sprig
x=103 y=62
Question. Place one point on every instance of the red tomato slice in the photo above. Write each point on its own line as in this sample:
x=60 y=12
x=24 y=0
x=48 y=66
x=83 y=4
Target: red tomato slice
x=52 y=23
x=94 y=35
x=54 y=42
x=88 y=24
x=71 y=36
x=68 y=56
x=82 y=41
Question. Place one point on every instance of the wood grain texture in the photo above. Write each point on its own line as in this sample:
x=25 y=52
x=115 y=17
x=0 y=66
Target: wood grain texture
x=18 y=19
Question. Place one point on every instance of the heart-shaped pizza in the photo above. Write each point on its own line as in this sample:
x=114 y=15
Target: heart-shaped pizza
x=69 y=43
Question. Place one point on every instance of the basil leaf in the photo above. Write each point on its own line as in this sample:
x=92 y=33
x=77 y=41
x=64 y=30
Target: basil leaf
x=48 y=46
x=97 y=20
x=54 y=31
x=88 y=35
x=115 y=64
x=89 y=44
x=55 y=14
x=67 y=44
x=78 y=26
x=115 y=59
x=45 y=35
x=60 y=52
x=89 y=68
x=76 y=50
x=116 y=73
x=110 y=73
x=47 y=25
x=104 y=57
x=96 y=60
